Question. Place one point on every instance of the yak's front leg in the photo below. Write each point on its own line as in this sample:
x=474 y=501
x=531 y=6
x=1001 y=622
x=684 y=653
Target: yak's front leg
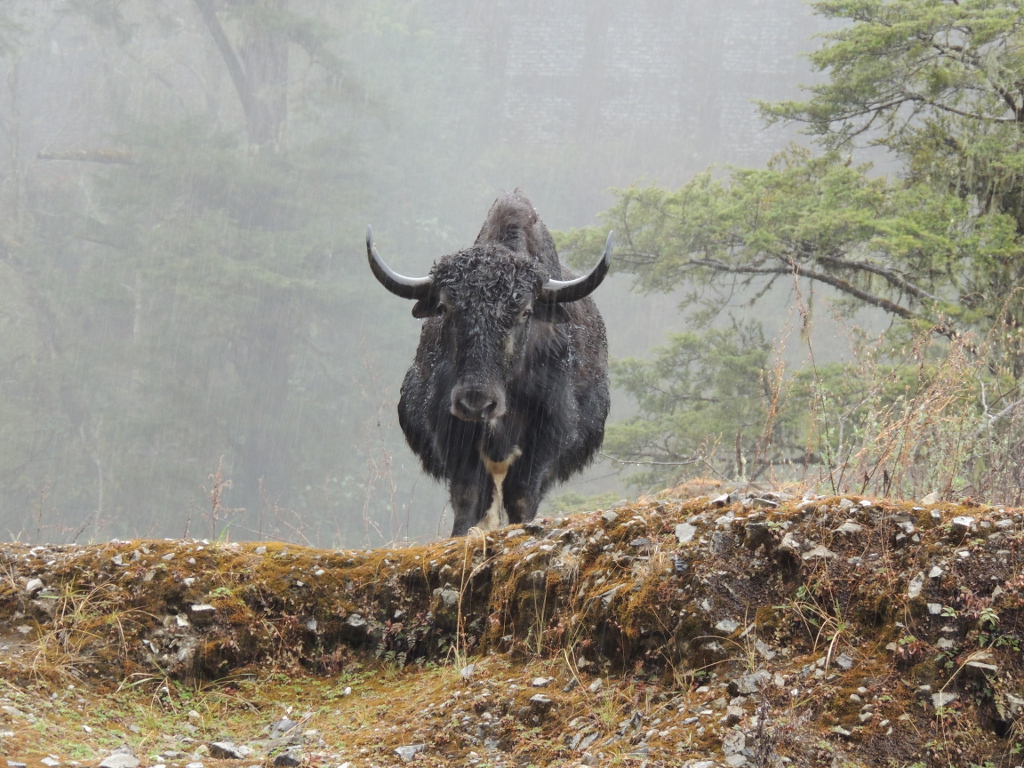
x=470 y=495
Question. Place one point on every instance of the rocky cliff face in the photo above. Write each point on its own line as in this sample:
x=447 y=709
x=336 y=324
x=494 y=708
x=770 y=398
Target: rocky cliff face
x=748 y=629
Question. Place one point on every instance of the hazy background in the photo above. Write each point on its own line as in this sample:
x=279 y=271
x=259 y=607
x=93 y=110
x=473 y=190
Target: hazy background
x=190 y=340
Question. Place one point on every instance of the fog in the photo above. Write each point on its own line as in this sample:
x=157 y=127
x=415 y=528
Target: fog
x=190 y=340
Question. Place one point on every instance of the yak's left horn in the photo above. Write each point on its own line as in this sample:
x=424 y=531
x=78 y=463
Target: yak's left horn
x=572 y=290
x=400 y=285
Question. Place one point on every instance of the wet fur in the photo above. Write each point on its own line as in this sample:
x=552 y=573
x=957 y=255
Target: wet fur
x=555 y=383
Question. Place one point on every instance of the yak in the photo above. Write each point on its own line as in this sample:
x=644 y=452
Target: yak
x=508 y=392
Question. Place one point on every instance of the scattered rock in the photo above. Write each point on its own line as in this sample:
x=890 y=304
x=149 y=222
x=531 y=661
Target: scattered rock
x=291 y=757
x=820 y=552
x=408 y=752
x=915 y=586
x=228 y=750
x=122 y=757
x=685 y=532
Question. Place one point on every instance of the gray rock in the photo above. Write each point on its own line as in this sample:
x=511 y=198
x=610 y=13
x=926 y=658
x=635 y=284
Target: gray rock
x=33 y=586
x=282 y=727
x=120 y=759
x=728 y=626
x=915 y=586
x=849 y=528
x=289 y=758
x=408 y=752
x=756 y=534
x=202 y=613
x=228 y=750
x=820 y=552
x=748 y=684
x=789 y=545
x=685 y=532
x=942 y=698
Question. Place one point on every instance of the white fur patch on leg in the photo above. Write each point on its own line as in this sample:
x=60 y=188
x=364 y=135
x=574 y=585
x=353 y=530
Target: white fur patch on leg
x=496 y=515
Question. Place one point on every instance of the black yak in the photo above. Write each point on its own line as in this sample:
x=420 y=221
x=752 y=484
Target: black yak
x=509 y=389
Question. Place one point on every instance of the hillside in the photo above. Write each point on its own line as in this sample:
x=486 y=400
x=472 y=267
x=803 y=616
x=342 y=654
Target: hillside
x=750 y=629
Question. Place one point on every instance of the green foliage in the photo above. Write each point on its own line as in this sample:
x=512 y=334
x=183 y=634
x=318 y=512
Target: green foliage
x=935 y=248
x=701 y=397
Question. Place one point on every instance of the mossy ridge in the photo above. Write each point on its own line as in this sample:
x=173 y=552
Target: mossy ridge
x=597 y=593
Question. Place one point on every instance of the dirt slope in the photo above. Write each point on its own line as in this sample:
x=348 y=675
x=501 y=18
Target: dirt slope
x=745 y=630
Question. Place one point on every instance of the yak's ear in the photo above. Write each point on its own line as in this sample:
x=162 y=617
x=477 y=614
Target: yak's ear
x=550 y=312
x=428 y=307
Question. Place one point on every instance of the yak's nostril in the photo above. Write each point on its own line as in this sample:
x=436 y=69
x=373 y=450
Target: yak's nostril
x=471 y=404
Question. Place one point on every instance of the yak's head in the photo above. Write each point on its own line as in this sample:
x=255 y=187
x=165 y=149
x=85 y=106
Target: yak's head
x=486 y=302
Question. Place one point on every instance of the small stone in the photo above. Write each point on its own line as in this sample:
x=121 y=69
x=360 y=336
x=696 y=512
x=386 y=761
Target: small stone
x=728 y=626
x=228 y=750
x=981 y=667
x=820 y=552
x=789 y=545
x=845 y=503
x=33 y=586
x=540 y=682
x=596 y=686
x=931 y=498
x=944 y=644
x=915 y=586
x=610 y=517
x=289 y=758
x=960 y=526
x=120 y=760
x=408 y=752
x=282 y=727
x=733 y=742
x=685 y=532
x=202 y=613
x=720 y=501
x=942 y=698
x=844 y=661
x=935 y=572
x=748 y=684
x=540 y=701
x=934 y=608
x=849 y=528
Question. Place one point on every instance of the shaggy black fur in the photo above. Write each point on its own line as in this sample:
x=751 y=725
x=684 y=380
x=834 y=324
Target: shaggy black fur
x=500 y=374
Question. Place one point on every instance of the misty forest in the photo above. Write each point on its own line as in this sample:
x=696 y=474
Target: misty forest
x=817 y=281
